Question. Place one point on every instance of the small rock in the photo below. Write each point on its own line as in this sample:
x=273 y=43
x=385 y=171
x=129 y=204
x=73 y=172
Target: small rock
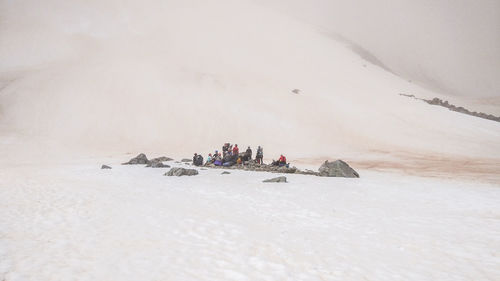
x=225 y=173
x=181 y=172
x=186 y=160
x=139 y=159
x=278 y=179
x=105 y=167
x=337 y=168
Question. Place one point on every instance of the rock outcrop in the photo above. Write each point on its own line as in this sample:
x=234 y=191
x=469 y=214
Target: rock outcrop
x=252 y=166
x=105 y=167
x=452 y=107
x=225 y=173
x=278 y=179
x=186 y=160
x=337 y=168
x=140 y=159
x=181 y=172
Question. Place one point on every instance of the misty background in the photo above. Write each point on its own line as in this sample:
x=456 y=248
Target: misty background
x=452 y=46
x=189 y=75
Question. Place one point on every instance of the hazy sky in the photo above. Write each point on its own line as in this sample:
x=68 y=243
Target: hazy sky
x=450 y=44
x=124 y=74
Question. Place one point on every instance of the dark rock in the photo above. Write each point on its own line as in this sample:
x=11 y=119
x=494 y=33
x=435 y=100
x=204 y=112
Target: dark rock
x=181 y=172
x=105 y=167
x=278 y=179
x=186 y=160
x=460 y=109
x=139 y=159
x=225 y=173
x=162 y=159
x=157 y=164
x=337 y=168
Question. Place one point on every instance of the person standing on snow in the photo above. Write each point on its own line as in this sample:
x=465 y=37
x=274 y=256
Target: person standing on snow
x=236 y=150
x=248 y=154
x=260 y=155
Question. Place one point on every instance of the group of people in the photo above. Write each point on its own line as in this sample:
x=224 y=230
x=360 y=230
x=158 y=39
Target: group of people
x=231 y=155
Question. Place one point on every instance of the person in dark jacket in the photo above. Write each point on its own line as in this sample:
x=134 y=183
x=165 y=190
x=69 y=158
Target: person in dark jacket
x=248 y=154
x=260 y=155
x=225 y=149
x=197 y=160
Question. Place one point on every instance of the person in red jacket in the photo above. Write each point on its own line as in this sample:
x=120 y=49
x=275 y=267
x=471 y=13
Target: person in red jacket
x=236 y=150
x=282 y=161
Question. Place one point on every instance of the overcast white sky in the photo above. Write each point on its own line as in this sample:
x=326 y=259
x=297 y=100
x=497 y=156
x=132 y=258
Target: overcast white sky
x=451 y=45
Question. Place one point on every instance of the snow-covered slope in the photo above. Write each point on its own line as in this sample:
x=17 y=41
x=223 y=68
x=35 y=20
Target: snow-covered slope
x=74 y=221
x=184 y=76
x=85 y=83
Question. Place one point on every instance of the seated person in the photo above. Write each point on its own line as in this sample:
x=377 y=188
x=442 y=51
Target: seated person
x=198 y=160
x=218 y=160
x=282 y=161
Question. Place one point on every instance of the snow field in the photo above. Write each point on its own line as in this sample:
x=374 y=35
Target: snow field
x=77 y=222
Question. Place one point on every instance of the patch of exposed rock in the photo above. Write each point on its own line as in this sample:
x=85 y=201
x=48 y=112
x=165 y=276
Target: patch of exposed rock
x=225 y=173
x=140 y=159
x=278 y=179
x=436 y=101
x=337 y=168
x=181 y=172
x=252 y=166
x=452 y=107
x=105 y=167
x=186 y=160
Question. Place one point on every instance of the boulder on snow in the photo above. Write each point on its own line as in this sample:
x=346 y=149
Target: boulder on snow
x=157 y=164
x=139 y=159
x=162 y=159
x=337 y=168
x=186 y=160
x=278 y=179
x=105 y=167
x=225 y=173
x=181 y=172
